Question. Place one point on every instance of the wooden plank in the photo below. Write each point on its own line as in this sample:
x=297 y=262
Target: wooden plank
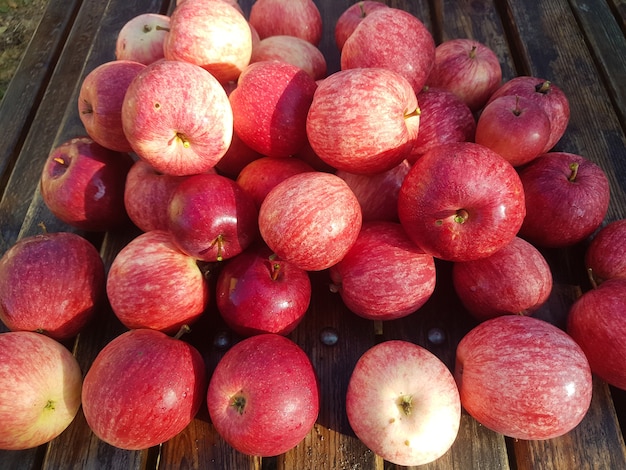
x=604 y=36
x=28 y=84
x=619 y=9
x=555 y=48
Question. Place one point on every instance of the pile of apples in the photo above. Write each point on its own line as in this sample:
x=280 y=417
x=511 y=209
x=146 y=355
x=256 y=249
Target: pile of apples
x=226 y=143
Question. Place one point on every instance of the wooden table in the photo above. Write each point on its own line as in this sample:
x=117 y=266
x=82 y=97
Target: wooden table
x=579 y=45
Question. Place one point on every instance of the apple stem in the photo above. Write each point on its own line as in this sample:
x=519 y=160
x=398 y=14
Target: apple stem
x=42 y=226
x=517 y=111
x=574 y=167
x=362 y=10
x=60 y=161
x=147 y=28
x=274 y=267
x=461 y=216
x=543 y=87
x=378 y=327
x=181 y=138
x=405 y=404
x=416 y=112
x=183 y=330
x=592 y=278
x=472 y=53
x=88 y=109
x=219 y=241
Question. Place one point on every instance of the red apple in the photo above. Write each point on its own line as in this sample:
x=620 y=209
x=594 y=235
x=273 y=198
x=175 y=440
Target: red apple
x=545 y=93
x=523 y=377
x=402 y=403
x=142 y=389
x=597 y=323
x=515 y=127
x=263 y=396
x=82 y=183
x=444 y=118
x=468 y=68
x=293 y=50
x=141 y=38
x=270 y=106
x=212 y=218
x=177 y=117
x=392 y=39
x=51 y=283
x=350 y=19
x=605 y=257
x=300 y=18
x=308 y=155
x=40 y=386
x=211 y=34
x=515 y=280
x=567 y=198
x=238 y=155
x=152 y=284
x=147 y=194
x=384 y=276
x=461 y=201
x=100 y=102
x=378 y=193
x=260 y=176
x=257 y=292
x=363 y=142
x=310 y=219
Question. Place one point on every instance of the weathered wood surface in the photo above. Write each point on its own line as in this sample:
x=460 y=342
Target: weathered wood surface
x=579 y=45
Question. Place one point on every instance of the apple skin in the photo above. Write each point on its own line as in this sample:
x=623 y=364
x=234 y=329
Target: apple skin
x=299 y=18
x=567 y=198
x=238 y=155
x=258 y=293
x=142 y=389
x=350 y=19
x=523 y=377
x=392 y=39
x=403 y=403
x=515 y=280
x=100 y=101
x=384 y=276
x=141 y=38
x=177 y=117
x=146 y=195
x=263 y=397
x=82 y=184
x=212 y=218
x=310 y=219
x=468 y=68
x=515 y=127
x=211 y=34
x=546 y=94
x=596 y=322
x=358 y=142
x=605 y=257
x=40 y=388
x=260 y=176
x=461 y=201
x=52 y=283
x=293 y=50
x=378 y=193
x=444 y=117
x=152 y=284
x=270 y=106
